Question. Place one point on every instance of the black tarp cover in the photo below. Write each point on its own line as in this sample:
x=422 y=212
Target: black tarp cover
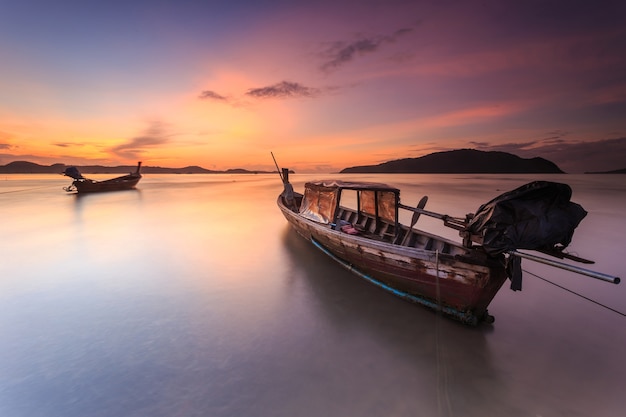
x=74 y=173
x=538 y=215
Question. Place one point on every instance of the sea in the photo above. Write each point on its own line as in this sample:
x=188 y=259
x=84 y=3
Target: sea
x=191 y=296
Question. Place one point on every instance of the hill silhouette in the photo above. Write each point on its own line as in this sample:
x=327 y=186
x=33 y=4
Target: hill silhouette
x=462 y=161
x=615 y=171
x=25 y=167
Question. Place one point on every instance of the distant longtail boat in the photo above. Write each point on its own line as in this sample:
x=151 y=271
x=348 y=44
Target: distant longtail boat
x=86 y=185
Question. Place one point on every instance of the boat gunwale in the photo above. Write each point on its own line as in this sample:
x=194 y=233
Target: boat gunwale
x=468 y=255
x=478 y=263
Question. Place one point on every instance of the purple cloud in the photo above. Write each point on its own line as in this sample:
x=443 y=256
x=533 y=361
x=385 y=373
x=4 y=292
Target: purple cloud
x=212 y=95
x=572 y=157
x=284 y=89
x=341 y=52
x=155 y=135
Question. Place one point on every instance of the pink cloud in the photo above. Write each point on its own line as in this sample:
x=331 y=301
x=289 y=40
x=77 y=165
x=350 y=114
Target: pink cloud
x=472 y=115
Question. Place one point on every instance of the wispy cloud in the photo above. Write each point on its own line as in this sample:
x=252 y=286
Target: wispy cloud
x=283 y=89
x=66 y=144
x=512 y=147
x=341 y=52
x=212 y=95
x=154 y=136
x=570 y=156
x=5 y=136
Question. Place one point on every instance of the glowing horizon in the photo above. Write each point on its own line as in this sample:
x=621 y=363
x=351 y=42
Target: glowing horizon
x=222 y=86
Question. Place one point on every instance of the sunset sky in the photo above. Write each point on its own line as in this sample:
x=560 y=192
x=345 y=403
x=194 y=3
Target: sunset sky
x=323 y=84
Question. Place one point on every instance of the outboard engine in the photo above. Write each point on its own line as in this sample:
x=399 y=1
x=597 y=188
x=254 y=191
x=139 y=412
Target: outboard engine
x=536 y=216
x=74 y=173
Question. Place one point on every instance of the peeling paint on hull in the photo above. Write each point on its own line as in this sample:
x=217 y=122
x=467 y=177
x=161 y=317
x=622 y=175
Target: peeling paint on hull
x=460 y=287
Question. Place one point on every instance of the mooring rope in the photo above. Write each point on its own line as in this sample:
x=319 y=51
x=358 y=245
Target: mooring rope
x=443 y=397
x=575 y=293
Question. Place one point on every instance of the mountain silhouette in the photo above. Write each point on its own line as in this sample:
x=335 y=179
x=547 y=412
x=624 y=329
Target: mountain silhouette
x=462 y=161
x=25 y=167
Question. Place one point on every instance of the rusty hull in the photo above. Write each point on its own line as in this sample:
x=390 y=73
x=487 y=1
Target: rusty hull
x=460 y=285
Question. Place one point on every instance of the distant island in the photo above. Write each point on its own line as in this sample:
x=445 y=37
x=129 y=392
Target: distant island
x=24 y=167
x=461 y=161
x=615 y=171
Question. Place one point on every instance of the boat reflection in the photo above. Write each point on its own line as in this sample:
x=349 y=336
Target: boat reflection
x=363 y=318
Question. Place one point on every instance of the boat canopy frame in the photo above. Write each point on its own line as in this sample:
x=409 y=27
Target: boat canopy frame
x=322 y=200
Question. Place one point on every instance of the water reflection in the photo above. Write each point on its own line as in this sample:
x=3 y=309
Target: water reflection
x=192 y=296
x=449 y=364
x=82 y=200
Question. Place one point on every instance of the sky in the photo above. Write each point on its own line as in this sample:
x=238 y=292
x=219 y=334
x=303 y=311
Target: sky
x=322 y=84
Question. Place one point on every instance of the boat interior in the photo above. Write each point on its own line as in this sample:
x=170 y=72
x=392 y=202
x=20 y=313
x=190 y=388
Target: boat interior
x=351 y=221
x=379 y=229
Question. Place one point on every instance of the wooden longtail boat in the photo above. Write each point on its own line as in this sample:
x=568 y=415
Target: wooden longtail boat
x=357 y=224
x=86 y=185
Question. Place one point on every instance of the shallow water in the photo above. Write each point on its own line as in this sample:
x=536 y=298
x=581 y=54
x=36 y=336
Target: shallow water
x=190 y=296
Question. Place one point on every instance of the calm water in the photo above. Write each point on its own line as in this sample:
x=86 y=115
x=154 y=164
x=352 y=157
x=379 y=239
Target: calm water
x=191 y=297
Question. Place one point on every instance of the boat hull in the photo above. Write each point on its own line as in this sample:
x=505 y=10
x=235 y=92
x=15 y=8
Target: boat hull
x=118 y=184
x=461 y=286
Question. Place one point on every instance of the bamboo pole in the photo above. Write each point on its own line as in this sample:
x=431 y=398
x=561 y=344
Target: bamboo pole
x=597 y=275
x=458 y=224
x=277 y=168
x=453 y=222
